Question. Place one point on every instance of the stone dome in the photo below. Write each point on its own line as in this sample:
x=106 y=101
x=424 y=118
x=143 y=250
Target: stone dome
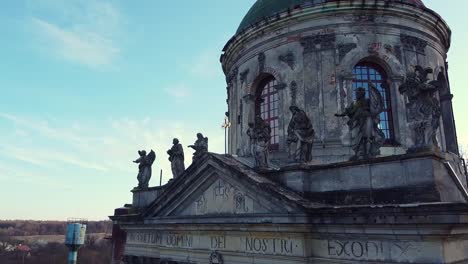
x=267 y=8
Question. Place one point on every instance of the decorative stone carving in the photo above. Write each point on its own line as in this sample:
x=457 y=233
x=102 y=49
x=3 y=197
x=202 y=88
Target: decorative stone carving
x=261 y=61
x=232 y=76
x=289 y=59
x=144 y=168
x=216 y=258
x=344 y=49
x=366 y=136
x=300 y=135
x=260 y=134
x=398 y=53
x=413 y=43
x=239 y=199
x=293 y=92
x=200 y=146
x=280 y=86
x=244 y=75
x=176 y=157
x=423 y=108
x=318 y=42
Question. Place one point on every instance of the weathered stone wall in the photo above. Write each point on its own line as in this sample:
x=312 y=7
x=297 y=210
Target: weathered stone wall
x=312 y=54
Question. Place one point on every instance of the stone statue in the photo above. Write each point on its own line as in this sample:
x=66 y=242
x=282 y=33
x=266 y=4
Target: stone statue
x=301 y=134
x=144 y=168
x=366 y=136
x=200 y=146
x=260 y=135
x=423 y=108
x=176 y=157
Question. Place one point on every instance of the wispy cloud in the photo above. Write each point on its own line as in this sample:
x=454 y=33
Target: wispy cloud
x=204 y=65
x=86 y=36
x=178 y=91
x=111 y=149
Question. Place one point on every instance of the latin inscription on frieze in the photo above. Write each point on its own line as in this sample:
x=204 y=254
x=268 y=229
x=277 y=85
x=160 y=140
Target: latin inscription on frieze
x=276 y=246
x=356 y=249
x=284 y=246
x=162 y=239
x=370 y=250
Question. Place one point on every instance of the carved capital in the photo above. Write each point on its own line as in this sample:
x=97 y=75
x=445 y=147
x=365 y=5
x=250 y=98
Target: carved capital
x=344 y=49
x=288 y=58
x=243 y=76
x=318 y=42
x=249 y=98
x=397 y=78
x=413 y=43
x=280 y=86
x=347 y=76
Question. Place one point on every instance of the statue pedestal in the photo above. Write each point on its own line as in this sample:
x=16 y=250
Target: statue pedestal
x=144 y=197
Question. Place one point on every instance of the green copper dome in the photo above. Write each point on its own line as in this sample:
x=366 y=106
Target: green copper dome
x=266 y=8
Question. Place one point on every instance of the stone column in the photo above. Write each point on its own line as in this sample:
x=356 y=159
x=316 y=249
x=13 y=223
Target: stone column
x=318 y=51
x=448 y=120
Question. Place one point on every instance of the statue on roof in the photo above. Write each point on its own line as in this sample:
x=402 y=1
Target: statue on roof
x=423 y=108
x=144 y=168
x=260 y=135
x=364 y=118
x=200 y=146
x=176 y=157
x=300 y=135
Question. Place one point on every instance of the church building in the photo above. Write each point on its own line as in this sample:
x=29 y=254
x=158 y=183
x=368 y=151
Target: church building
x=342 y=147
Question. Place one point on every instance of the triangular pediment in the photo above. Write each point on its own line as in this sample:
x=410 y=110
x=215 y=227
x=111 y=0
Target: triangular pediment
x=221 y=187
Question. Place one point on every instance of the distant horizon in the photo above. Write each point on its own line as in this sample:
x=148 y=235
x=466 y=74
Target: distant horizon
x=87 y=84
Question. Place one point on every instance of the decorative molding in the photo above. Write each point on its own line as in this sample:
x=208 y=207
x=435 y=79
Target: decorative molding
x=288 y=58
x=318 y=42
x=261 y=61
x=232 y=76
x=280 y=86
x=413 y=43
x=249 y=98
x=244 y=75
x=344 y=49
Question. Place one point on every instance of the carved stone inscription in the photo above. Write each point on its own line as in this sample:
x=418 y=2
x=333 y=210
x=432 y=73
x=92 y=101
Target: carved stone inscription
x=275 y=246
x=265 y=245
x=356 y=249
x=161 y=239
x=373 y=250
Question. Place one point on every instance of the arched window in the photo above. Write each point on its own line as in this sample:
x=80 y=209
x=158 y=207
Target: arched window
x=267 y=106
x=365 y=72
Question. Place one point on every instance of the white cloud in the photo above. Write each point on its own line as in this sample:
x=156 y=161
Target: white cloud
x=111 y=149
x=179 y=91
x=87 y=35
x=205 y=65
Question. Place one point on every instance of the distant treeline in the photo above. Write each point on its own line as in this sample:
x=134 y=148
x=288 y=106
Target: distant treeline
x=34 y=228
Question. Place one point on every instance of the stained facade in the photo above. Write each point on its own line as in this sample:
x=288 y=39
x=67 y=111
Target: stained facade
x=407 y=202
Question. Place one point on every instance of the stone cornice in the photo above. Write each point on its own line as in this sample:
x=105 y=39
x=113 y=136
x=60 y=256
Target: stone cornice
x=426 y=17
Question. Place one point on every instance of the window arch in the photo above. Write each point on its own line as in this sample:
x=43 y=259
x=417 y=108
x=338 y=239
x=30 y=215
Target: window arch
x=365 y=72
x=267 y=106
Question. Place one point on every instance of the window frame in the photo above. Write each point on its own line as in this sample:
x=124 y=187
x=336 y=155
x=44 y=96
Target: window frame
x=267 y=105
x=372 y=71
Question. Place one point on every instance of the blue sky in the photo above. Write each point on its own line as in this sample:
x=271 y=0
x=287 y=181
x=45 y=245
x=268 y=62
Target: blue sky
x=86 y=83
